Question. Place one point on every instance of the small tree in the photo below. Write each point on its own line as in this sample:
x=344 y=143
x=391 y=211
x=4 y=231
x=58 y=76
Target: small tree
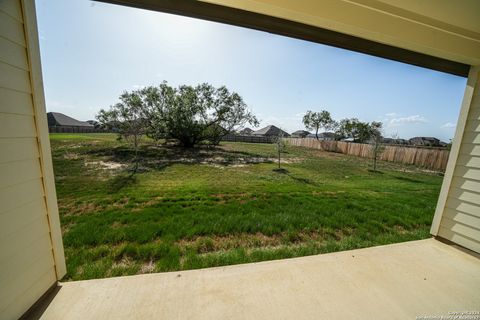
x=280 y=147
x=376 y=141
x=127 y=118
x=316 y=120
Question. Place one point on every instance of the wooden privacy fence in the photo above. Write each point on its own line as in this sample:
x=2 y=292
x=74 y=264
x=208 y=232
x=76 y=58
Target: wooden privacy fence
x=251 y=139
x=430 y=158
x=74 y=130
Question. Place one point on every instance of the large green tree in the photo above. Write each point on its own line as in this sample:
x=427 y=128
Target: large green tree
x=358 y=130
x=191 y=115
x=318 y=120
x=187 y=114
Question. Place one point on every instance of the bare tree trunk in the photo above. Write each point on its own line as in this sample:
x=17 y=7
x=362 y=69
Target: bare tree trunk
x=135 y=144
x=278 y=158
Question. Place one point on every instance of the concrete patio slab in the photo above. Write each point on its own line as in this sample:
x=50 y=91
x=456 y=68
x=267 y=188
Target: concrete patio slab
x=400 y=281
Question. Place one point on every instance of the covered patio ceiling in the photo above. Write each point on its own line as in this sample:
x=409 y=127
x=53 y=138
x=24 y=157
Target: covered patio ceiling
x=446 y=39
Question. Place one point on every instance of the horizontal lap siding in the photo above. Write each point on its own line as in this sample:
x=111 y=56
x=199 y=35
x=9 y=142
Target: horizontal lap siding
x=26 y=258
x=11 y=29
x=18 y=149
x=14 y=54
x=14 y=78
x=460 y=221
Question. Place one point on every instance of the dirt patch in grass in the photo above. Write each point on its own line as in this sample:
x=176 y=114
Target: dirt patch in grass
x=147 y=267
x=105 y=165
x=417 y=170
x=220 y=161
x=71 y=156
x=75 y=209
x=258 y=240
x=125 y=262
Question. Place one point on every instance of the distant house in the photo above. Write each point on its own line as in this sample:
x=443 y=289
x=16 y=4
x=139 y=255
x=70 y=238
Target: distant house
x=443 y=144
x=300 y=134
x=245 y=132
x=425 y=141
x=94 y=123
x=395 y=141
x=324 y=136
x=58 y=122
x=270 y=131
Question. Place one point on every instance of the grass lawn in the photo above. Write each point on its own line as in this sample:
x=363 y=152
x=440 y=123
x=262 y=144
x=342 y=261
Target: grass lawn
x=188 y=209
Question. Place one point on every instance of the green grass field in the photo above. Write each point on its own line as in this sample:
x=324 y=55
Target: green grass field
x=206 y=207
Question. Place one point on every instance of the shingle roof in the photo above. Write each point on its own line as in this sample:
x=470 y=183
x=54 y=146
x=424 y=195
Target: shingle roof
x=425 y=138
x=59 y=119
x=270 y=131
x=301 y=132
x=246 y=131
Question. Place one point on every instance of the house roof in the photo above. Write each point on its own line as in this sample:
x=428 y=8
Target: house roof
x=270 y=131
x=424 y=138
x=59 y=119
x=246 y=130
x=301 y=132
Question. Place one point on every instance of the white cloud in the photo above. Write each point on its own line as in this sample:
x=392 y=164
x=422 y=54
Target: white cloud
x=391 y=114
x=410 y=120
x=449 y=125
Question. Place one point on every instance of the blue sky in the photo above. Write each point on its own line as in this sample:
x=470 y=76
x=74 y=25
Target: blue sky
x=91 y=52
